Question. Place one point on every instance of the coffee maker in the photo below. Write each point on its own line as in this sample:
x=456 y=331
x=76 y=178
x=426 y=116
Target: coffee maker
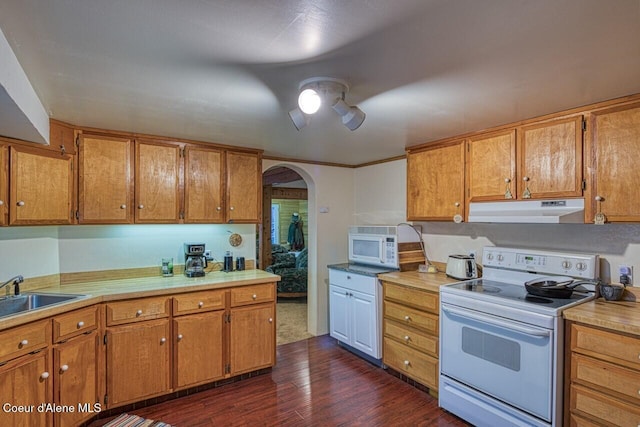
x=194 y=260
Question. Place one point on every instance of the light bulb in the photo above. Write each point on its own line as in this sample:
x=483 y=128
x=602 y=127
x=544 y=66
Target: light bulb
x=309 y=101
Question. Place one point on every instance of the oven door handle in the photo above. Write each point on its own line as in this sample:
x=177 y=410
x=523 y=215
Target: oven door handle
x=496 y=322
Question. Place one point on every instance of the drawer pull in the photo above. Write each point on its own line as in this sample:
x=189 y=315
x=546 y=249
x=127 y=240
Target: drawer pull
x=407 y=318
x=254 y=296
x=64 y=368
x=407 y=363
x=200 y=304
x=179 y=337
x=80 y=324
x=24 y=343
x=139 y=313
x=44 y=375
x=406 y=338
x=163 y=340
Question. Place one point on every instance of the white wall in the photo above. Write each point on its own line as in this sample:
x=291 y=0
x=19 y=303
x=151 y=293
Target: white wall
x=617 y=244
x=332 y=188
x=42 y=251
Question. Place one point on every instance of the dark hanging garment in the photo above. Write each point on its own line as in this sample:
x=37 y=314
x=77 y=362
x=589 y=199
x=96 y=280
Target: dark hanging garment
x=296 y=236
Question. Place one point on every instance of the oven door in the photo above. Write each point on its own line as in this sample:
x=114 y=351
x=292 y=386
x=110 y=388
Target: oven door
x=508 y=360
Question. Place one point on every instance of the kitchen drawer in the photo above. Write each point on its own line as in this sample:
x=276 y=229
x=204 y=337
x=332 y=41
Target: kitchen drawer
x=355 y=282
x=412 y=363
x=245 y=295
x=24 y=339
x=411 y=317
x=604 y=375
x=411 y=337
x=605 y=345
x=578 y=421
x=604 y=409
x=75 y=323
x=137 y=310
x=423 y=300
x=198 y=302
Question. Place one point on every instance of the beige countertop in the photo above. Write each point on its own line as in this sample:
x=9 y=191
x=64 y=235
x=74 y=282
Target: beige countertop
x=426 y=281
x=619 y=316
x=111 y=290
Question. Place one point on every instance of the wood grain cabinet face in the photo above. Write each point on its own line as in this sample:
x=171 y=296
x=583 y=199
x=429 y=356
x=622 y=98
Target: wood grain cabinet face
x=157 y=182
x=614 y=149
x=41 y=187
x=105 y=180
x=203 y=191
x=491 y=167
x=244 y=187
x=4 y=185
x=26 y=381
x=138 y=361
x=252 y=338
x=550 y=159
x=75 y=370
x=435 y=183
x=198 y=348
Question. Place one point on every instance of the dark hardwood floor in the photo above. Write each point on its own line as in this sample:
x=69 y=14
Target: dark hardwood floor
x=315 y=383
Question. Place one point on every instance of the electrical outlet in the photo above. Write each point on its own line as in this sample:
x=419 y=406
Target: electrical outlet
x=207 y=255
x=472 y=253
x=626 y=274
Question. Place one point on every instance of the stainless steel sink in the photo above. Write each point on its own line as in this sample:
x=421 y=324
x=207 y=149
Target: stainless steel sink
x=30 y=301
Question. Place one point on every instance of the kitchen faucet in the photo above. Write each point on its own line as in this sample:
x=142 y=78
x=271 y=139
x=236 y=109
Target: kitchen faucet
x=16 y=283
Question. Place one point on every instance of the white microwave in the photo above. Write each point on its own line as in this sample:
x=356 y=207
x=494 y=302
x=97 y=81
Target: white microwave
x=374 y=245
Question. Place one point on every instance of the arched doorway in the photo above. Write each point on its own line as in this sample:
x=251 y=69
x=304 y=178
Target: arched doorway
x=283 y=248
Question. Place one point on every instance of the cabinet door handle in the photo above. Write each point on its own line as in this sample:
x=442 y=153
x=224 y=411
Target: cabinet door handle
x=139 y=313
x=140 y=206
x=407 y=318
x=44 y=375
x=64 y=368
x=24 y=343
x=200 y=304
x=218 y=208
x=407 y=363
x=123 y=206
x=80 y=324
x=1 y=202
x=179 y=337
x=20 y=203
x=270 y=319
x=254 y=296
x=406 y=338
x=163 y=340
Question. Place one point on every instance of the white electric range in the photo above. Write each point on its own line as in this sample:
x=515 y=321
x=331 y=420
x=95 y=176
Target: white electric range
x=501 y=349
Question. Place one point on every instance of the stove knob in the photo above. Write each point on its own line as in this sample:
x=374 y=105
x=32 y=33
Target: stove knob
x=489 y=256
x=566 y=265
x=500 y=258
x=581 y=266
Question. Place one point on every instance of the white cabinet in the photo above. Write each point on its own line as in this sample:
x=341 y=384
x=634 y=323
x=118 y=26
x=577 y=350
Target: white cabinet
x=355 y=311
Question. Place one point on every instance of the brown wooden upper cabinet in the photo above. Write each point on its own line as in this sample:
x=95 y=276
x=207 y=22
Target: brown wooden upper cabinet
x=157 y=182
x=244 y=187
x=105 y=180
x=491 y=166
x=203 y=190
x=41 y=187
x=550 y=159
x=435 y=182
x=4 y=185
x=614 y=148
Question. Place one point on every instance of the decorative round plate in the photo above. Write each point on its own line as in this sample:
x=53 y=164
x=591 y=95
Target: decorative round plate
x=235 y=239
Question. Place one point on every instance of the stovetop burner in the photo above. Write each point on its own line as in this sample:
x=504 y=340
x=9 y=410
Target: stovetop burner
x=537 y=300
x=478 y=286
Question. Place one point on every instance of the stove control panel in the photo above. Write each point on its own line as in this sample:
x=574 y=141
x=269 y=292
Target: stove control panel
x=577 y=265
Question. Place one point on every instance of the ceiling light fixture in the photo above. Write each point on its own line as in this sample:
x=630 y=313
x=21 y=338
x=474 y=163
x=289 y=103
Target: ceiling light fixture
x=316 y=91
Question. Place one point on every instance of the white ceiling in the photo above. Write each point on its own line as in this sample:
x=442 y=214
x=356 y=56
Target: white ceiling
x=227 y=71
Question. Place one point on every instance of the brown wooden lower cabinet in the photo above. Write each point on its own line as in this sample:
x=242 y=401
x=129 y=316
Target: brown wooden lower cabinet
x=198 y=349
x=75 y=369
x=604 y=377
x=25 y=383
x=252 y=338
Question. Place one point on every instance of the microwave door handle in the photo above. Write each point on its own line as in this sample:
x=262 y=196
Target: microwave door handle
x=496 y=322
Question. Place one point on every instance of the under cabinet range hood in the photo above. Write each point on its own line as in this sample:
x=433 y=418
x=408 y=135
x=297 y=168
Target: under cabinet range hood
x=563 y=211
